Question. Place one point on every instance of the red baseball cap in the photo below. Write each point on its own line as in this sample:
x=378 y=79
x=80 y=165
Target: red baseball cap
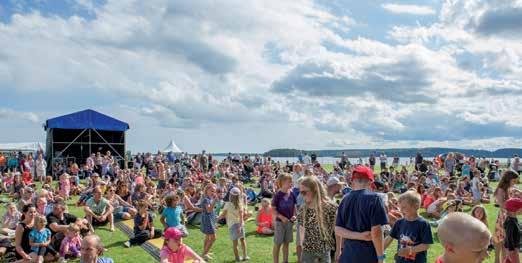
x=173 y=233
x=362 y=172
x=513 y=204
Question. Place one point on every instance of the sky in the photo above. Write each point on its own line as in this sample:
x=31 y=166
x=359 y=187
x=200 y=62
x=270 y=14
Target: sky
x=250 y=76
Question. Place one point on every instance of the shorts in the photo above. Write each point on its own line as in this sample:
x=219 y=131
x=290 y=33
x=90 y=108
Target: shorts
x=99 y=223
x=311 y=257
x=476 y=194
x=183 y=229
x=234 y=235
x=283 y=233
x=298 y=240
x=120 y=211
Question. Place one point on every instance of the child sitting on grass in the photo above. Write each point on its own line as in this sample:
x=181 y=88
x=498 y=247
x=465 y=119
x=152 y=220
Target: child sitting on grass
x=10 y=220
x=174 y=251
x=412 y=232
x=143 y=226
x=512 y=229
x=171 y=216
x=39 y=239
x=265 y=218
x=234 y=213
x=71 y=244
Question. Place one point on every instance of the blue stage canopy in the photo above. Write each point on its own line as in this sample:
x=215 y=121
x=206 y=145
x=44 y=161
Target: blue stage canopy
x=86 y=119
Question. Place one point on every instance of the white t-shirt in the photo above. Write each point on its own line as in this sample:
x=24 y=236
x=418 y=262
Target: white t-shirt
x=232 y=214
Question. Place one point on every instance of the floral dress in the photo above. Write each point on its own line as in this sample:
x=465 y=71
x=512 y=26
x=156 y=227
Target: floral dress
x=502 y=215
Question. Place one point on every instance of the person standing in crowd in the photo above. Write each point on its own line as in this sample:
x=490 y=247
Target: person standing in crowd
x=283 y=205
x=362 y=211
x=516 y=166
x=512 y=229
x=464 y=238
x=89 y=165
x=412 y=232
x=371 y=160
x=418 y=160
x=334 y=187
x=384 y=159
x=502 y=193
x=92 y=249
x=317 y=218
x=449 y=165
x=41 y=167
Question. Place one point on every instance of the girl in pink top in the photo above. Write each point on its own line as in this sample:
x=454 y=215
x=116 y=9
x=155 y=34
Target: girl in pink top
x=174 y=251
x=70 y=247
x=65 y=186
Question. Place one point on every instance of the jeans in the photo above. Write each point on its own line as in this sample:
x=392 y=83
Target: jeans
x=313 y=257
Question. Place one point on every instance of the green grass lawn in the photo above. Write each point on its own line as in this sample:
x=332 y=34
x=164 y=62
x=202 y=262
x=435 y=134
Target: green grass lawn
x=259 y=248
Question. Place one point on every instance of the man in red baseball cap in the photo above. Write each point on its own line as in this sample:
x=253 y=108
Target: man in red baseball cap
x=361 y=211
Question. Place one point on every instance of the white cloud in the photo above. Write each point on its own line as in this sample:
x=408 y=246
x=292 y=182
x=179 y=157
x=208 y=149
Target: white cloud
x=6 y=113
x=409 y=9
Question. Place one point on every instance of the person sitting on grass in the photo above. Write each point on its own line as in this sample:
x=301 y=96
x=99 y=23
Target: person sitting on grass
x=71 y=244
x=171 y=216
x=9 y=220
x=412 y=232
x=174 y=251
x=265 y=218
x=464 y=238
x=92 y=249
x=512 y=229
x=143 y=226
x=39 y=239
x=98 y=210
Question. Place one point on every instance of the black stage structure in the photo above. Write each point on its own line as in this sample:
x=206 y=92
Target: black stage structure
x=73 y=137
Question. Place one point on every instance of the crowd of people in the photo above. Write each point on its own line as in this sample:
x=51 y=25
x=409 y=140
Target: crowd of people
x=349 y=214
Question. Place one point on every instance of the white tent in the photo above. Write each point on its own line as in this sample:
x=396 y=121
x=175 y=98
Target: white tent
x=172 y=147
x=21 y=146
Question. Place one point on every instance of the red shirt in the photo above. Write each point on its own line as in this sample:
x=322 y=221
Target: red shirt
x=427 y=201
x=439 y=260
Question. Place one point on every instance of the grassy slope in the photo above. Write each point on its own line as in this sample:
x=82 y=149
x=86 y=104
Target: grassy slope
x=260 y=248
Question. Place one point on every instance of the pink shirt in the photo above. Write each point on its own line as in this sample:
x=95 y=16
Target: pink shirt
x=179 y=256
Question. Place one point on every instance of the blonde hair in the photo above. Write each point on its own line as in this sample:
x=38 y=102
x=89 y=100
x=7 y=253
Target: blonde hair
x=319 y=199
x=412 y=198
x=282 y=178
x=236 y=201
x=40 y=219
x=73 y=228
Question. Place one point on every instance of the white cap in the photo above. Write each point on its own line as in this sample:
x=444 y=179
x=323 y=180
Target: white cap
x=333 y=181
x=235 y=191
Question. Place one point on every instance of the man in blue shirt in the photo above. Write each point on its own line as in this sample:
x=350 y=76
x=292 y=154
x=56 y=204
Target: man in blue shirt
x=361 y=211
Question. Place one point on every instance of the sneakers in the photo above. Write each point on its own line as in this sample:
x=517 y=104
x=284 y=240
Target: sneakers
x=62 y=260
x=127 y=244
x=207 y=257
x=247 y=258
x=238 y=259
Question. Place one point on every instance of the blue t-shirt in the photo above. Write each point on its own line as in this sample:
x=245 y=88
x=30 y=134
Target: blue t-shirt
x=466 y=169
x=284 y=204
x=172 y=216
x=412 y=233
x=360 y=211
x=39 y=237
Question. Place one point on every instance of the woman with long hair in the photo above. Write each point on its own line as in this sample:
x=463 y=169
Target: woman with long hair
x=502 y=193
x=22 y=246
x=317 y=217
